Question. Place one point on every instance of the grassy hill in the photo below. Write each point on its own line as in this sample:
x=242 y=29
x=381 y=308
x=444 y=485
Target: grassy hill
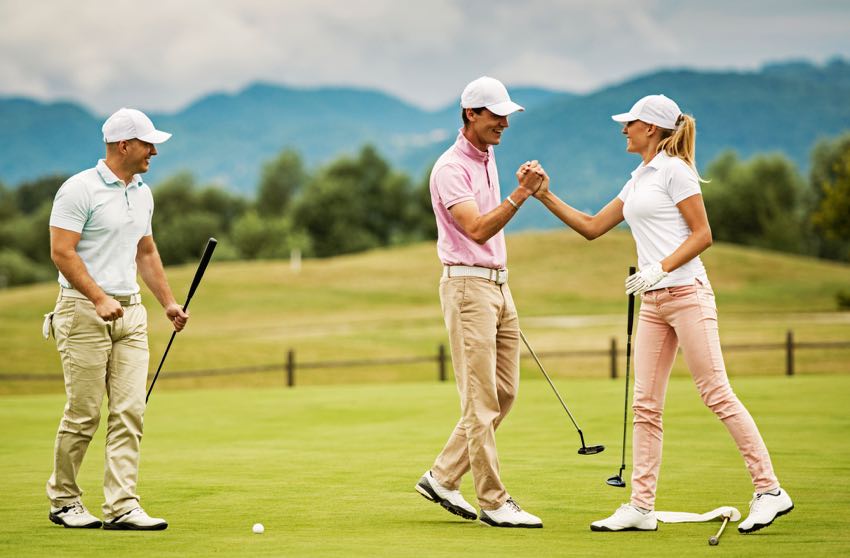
x=385 y=304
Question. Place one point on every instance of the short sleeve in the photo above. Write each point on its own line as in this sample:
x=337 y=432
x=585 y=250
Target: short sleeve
x=453 y=185
x=682 y=181
x=149 y=230
x=624 y=193
x=70 y=207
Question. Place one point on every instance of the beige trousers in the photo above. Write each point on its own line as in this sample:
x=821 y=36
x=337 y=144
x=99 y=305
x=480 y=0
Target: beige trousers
x=484 y=335
x=669 y=318
x=100 y=358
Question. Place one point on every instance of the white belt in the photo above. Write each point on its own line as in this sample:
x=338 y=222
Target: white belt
x=498 y=276
x=125 y=300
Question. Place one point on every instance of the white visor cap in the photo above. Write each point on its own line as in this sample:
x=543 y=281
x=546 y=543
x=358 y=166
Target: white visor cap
x=126 y=124
x=489 y=93
x=653 y=109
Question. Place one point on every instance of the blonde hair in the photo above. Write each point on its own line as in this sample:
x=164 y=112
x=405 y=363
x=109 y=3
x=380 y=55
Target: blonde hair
x=681 y=142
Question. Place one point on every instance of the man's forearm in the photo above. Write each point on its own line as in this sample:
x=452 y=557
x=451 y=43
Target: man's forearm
x=153 y=274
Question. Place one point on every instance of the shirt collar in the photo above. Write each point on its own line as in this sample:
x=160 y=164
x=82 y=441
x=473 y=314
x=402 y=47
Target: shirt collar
x=655 y=163
x=465 y=146
x=110 y=179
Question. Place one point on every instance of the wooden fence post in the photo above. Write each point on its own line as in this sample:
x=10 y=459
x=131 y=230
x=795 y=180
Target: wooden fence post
x=290 y=368
x=441 y=362
x=789 y=353
x=613 y=358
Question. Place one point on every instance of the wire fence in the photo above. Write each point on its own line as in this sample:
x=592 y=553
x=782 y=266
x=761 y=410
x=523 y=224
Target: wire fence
x=442 y=361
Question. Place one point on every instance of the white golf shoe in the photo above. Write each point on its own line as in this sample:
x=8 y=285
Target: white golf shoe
x=764 y=508
x=74 y=516
x=136 y=520
x=510 y=515
x=627 y=518
x=452 y=500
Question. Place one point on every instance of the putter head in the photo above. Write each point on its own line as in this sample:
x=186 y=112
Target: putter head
x=590 y=450
x=616 y=481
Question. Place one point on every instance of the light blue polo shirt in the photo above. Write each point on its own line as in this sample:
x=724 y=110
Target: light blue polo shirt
x=111 y=218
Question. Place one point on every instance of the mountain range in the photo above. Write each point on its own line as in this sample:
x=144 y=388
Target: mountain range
x=225 y=138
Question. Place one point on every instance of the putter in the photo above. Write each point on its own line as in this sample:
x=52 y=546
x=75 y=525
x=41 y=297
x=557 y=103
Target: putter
x=205 y=259
x=617 y=480
x=583 y=450
x=715 y=540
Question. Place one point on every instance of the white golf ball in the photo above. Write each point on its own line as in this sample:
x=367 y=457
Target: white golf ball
x=258 y=528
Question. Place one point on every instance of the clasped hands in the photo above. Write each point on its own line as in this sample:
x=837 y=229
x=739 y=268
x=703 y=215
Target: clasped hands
x=533 y=178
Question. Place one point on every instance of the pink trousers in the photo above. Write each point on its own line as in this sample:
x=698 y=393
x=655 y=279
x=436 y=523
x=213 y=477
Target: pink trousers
x=685 y=316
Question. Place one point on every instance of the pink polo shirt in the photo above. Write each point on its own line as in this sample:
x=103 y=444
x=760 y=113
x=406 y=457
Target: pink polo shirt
x=464 y=173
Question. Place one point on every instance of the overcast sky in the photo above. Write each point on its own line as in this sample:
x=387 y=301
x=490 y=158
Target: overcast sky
x=163 y=54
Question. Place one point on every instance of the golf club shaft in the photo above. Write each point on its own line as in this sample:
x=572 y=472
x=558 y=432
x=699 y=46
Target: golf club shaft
x=199 y=274
x=548 y=379
x=716 y=538
x=629 y=326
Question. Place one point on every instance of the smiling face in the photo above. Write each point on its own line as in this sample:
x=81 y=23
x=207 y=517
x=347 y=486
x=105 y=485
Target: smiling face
x=484 y=128
x=138 y=156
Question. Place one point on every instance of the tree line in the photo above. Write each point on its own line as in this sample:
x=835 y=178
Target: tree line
x=360 y=202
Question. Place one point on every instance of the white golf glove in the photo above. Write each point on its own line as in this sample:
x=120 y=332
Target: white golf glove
x=644 y=279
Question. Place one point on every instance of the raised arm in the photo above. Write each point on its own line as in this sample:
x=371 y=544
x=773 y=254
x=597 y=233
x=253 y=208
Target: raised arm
x=589 y=226
x=481 y=228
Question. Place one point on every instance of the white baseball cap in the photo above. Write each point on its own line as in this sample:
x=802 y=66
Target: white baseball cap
x=489 y=93
x=128 y=124
x=653 y=109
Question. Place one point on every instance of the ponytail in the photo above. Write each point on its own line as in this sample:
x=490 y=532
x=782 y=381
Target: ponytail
x=682 y=141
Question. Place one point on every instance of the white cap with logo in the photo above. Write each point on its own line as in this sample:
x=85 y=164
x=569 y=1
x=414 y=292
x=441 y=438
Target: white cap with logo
x=126 y=124
x=653 y=109
x=489 y=93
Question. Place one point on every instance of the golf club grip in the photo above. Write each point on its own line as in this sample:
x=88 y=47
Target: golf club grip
x=199 y=274
x=630 y=325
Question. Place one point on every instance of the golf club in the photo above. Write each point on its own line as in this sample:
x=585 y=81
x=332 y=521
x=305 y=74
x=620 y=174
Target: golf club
x=715 y=540
x=205 y=259
x=617 y=480
x=583 y=450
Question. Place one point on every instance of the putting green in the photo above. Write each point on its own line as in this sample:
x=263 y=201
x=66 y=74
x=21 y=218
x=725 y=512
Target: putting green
x=329 y=471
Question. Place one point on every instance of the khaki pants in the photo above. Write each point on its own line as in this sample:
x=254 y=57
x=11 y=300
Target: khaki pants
x=669 y=318
x=484 y=334
x=100 y=358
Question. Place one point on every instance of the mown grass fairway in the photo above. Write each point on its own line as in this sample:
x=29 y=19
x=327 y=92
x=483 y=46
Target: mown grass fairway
x=330 y=471
x=385 y=303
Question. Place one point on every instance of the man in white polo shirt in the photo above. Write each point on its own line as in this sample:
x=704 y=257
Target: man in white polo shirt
x=100 y=236
x=477 y=305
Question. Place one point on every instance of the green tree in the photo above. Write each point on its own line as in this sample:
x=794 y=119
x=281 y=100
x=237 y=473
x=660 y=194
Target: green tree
x=8 y=203
x=33 y=194
x=282 y=179
x=830 y=179
x=761 y=202
x=355 y=204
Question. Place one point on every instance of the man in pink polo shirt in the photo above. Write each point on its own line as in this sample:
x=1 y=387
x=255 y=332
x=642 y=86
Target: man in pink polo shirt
x=477 y=305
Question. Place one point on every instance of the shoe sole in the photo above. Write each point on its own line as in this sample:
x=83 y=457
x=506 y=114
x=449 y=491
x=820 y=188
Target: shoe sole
x=487 y=521
x=758 y=526
x=131 y=527
x=428 y=493
x=58 y=521
x=600 y=529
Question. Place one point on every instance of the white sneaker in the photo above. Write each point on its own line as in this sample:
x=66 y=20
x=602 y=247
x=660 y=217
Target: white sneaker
x=452 y=500
x=510 y=515
x=136 y=520
x=74 y=516
x=764 y=508
x=627 y=518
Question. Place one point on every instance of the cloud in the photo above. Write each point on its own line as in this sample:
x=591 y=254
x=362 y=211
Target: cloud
x=162 y=54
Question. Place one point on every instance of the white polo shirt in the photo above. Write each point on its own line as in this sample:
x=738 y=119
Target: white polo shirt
x=111 y=218
x=657 y=225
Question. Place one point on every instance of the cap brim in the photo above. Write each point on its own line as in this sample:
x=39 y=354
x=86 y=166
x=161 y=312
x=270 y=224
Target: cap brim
x=505 y=108
x=624 y=117
x=156 y=137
